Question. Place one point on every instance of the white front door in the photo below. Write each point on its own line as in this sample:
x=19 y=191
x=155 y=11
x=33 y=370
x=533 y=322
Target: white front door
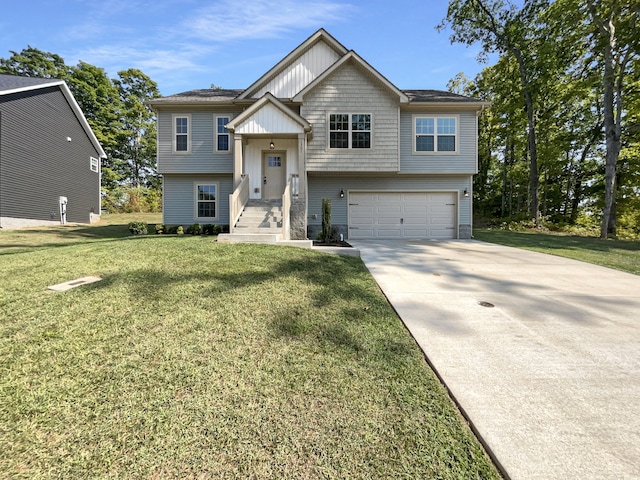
x=274 y=169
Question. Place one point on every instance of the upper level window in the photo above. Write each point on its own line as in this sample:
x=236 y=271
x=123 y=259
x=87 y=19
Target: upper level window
x=182 y=133
x=350 y=130
x=435 y=134
x=94 y=164
x=222 y=134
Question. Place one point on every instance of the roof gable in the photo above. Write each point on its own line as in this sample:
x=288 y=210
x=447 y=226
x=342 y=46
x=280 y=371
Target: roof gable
x=268 y=116
x=15 y=84
x=355 y=58
x=299 y=68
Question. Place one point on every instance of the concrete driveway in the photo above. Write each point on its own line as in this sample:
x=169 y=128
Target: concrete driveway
x=550 y=375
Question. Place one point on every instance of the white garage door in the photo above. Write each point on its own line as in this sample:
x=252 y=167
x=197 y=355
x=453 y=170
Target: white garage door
x=402 y=215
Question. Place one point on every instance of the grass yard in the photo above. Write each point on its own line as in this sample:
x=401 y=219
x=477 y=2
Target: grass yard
x=193 y=359
x=619 y=254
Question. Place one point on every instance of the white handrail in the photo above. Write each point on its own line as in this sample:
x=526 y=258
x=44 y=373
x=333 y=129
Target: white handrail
x=237 y=200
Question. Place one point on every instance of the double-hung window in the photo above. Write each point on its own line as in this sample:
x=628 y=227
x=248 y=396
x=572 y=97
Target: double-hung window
x=181 y=133
x=94 y=164
x=206 y=201
x=349 y=130
x=435 y=134
x=222 y=135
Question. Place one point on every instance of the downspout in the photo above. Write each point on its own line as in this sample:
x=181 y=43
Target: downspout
x=0 y=170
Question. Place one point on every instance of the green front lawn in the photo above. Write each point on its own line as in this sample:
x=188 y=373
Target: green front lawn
x=619 y=254
x=193 y=359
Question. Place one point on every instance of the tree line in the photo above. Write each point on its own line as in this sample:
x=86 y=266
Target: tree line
x=119 y=117
x=560 y=141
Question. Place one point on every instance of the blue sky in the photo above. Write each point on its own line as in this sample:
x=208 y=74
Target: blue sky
x=190 y=44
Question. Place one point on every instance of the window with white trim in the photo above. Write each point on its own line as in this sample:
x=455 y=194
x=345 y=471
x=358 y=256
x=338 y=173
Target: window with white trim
x=94 y=164
x=206 y=201
x=350 y=130
x=181 y=133
x=222 y=135
x=435 y=134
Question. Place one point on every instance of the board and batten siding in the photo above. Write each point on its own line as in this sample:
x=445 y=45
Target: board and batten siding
x=464 y=161
x=178 y=198
x=323 y=186
x=350 y=90
x=203 y=158
x=300 y=73
x=37 y=163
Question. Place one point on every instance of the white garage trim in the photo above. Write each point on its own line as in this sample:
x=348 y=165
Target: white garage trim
x=403 y=214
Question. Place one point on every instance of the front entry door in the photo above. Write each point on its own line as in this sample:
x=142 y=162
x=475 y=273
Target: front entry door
x=274 y=168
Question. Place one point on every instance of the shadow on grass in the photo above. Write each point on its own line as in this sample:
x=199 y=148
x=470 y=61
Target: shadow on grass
x=334 y=300
x=543 y=240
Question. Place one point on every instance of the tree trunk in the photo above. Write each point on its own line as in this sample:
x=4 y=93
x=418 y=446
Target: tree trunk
x=533 y=158
x=611 y=138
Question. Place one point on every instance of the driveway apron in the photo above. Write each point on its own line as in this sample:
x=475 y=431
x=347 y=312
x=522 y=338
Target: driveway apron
x=541 y=353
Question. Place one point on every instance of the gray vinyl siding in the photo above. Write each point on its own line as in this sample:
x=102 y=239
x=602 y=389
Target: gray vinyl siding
x=202 y=158
x=465 y=161
x=350 y=90
x=179 y=198
x=38 y=164
x=325 y=186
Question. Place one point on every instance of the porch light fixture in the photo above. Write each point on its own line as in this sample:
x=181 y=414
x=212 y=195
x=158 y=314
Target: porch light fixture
x=465 y=193
x=272 y=145
x=341 y=193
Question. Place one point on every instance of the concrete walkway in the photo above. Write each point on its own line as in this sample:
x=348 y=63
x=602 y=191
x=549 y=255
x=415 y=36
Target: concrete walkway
x=550 y=375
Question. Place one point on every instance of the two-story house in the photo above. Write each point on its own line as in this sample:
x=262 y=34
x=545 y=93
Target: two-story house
x=322 y=123
x=49 y=156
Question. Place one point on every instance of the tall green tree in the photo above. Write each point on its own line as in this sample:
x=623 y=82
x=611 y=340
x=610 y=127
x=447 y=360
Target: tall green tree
x=616 y=45
x=31 y=62
x=100 y=102
x=137 y=137
x=501 y=27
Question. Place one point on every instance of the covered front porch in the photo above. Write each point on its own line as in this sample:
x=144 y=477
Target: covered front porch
x=270 y=145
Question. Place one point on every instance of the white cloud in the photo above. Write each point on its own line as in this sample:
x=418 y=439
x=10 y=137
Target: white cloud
x=225 y=20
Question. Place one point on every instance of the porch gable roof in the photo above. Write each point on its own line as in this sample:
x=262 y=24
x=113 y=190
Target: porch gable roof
x=268 y=116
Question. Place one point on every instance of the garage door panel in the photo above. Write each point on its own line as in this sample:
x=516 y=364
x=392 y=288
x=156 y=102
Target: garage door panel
x=402 y=215
x=396 y=209
x=389 y=233
x=390 y=197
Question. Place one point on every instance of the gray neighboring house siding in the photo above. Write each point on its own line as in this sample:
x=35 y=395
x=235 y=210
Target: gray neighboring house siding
x=37 y=162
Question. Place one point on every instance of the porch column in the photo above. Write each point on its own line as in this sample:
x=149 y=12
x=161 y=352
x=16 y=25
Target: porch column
x=237 y=160
x=302 y=165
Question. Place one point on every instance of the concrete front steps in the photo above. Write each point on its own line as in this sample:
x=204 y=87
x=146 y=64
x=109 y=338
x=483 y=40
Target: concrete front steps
x=261 y=222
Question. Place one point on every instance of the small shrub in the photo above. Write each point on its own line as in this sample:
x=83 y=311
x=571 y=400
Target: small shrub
x=207 y=229
x=179 y=230
x=138 y=228
x=194 y=229
x=160 y=228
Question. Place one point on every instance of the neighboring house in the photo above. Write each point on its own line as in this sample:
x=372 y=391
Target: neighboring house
x=49 y=157
x=322 y=123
